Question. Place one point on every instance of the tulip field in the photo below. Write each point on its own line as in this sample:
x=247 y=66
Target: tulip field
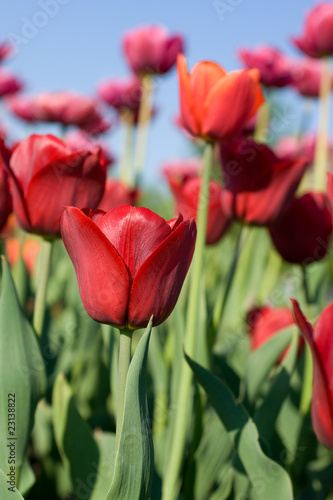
x=176 y=344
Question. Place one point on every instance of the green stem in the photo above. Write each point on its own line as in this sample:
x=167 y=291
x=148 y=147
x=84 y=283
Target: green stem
x=145 y=112
x=321 y=153
x=306 y=394
x=262 y=123
x=125 y=173
x=184 y=404
x=40 y=301
x=125 y=344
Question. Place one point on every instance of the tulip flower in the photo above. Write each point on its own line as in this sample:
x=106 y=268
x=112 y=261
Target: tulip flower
x=216 y=105
x=185 y=188
x=307 y=77
x=121 y=94
x=80 y=141
x=5 y=196
x=317 y=38
x=21 y=107
x=258 y=186
x=151 y=50
x=320 y=342
x=45 y=175
x=117 y=193
x=9 y=84
x=66 y=108
x=275 y=69
x=302 y=234
x=130 y=263
x=265 y=322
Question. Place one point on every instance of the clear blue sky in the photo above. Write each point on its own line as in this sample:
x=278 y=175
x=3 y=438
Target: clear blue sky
x=80 y=45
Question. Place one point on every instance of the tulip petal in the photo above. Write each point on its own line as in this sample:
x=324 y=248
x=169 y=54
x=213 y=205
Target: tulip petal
x=77 y=180
x=229 y=105
x=186 y=103
x=101 y=273
x=320 y=343
x=158 y=282
x=134 y=232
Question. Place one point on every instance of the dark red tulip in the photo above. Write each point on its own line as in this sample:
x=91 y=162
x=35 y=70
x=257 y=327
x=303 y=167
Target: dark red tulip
x=275 y=69
x=5 y=50
x=117 y=193
x=302 y=234
x=66 y=108
x=121 y=93
x=307 y=77
x=151 y=50
x=258 y=186
x=5 y=196
x=320 y=342
x=9 y=84
x=265 y=322
x=185 y=187
x=216 y=105
x=80 y=141
x=45 y=175
x=130 y=263
x=317 y=38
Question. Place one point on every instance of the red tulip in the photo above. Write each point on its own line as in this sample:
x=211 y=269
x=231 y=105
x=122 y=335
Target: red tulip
x=216 y=105
x=45 y=175
x=185 y=187
x=66 y=108
x=5 y=196
x=275 y=69
x=21 y=107
x=265 y=322
x=5 y=50
x=130 y=263
x=151 y=50
x=117 y=193
x=121 y=94
x=317 y=39
x=302 y=234
x=9 y=84
x=320 y=342
x=258 y=185
x=307 y=77
x=80 y=141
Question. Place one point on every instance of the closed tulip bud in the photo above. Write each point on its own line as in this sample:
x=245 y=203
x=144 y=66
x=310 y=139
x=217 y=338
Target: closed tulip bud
x=130 y=263
x=317 y=38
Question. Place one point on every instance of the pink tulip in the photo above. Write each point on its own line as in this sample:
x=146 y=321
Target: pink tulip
x=317 y=38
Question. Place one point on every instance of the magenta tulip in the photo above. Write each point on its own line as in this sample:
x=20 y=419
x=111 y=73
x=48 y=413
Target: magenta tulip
x=317 y=38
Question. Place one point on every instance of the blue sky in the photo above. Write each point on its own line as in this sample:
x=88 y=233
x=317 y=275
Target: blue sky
x=77 y=43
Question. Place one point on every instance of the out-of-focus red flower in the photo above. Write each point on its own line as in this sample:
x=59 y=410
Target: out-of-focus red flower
x=9 y=84
x=151 y=50
x=317 y=38
x=130 y=263
x=302 y=234
x=45 y=175
x=265 y=322
x=320 y=342
x=5 y=50
x=258 y=186
x=307 y=76
x=121 y=93
x=29 y=252
x=291 y=147
x=215 y=105
x=6 y=205
x=80 y=141
x=185 y=186
x=117 y=193
x=66 y=108
x=275 y=69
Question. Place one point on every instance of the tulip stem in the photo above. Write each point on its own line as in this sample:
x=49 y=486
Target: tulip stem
x=125 y=345
x=262 y=122
x=125 y=172
x=145 y=111
x=321 y=152
x=43 y=275
x=184 y=405
x=306 y=393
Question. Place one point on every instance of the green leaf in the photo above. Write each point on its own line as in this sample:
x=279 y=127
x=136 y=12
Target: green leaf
x=5 y=493
x=74 y=439
x=267 y=478
x=106 y=442
x=262 y=361
x=134 y=462
x=27 y=477
x=22 y=374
